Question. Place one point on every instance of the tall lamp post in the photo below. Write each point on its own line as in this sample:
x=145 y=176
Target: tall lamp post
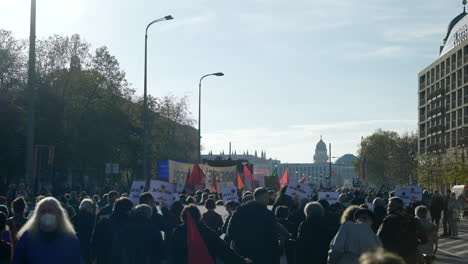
x=145 y=100
x=199 y=110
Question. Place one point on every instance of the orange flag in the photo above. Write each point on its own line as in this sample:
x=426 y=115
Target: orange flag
x=240 y=184
x=285 y=179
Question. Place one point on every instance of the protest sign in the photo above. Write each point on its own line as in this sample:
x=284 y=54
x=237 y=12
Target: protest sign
x=137 y=189
x=331 y=197
x=230 y=194
x=163 y=192
x=299 y=190
x=415 y=193
x=404 y=195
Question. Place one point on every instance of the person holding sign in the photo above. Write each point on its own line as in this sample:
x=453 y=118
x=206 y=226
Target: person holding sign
x=211 y=218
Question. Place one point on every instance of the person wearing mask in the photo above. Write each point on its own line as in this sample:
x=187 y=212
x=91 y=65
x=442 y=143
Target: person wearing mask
x=431 y=229
x=5 y=247
x=217 y=248
x=353 y=239
x=138 y=242
x=104 y=238
x=84 y=223
x=401 y=234
x=253 y=230
x=312 y=242
x=212 y=219
x=106 y=211
x=48 y=237
x=17 y=221
x=454 y=208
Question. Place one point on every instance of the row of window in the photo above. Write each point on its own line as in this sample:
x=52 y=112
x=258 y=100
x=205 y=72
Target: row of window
x=452 y=139
x=440 y=70
x=443 y=123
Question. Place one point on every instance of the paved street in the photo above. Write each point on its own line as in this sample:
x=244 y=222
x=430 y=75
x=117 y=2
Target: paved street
x=451 y=250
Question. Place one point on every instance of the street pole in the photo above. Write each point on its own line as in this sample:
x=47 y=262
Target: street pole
x=329 y=144
x=145 y=115
x=199 y=110
x=31 y=96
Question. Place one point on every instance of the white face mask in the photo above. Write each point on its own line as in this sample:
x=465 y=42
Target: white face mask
x=48 y=222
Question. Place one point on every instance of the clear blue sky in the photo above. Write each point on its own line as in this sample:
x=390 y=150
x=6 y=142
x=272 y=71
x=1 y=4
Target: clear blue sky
x=294 y=69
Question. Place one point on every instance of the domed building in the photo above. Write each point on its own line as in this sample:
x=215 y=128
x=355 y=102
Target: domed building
x=321 y=155
x=443 y=93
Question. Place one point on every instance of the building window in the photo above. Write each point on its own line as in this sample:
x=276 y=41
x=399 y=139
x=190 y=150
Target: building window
x=454 y=100
x=459 y=58
x=442 y=69
x=459 y=78
x=447 y=102
x=454 y=62
x=447 y=121
x=465 y=115
x=454 y=138
x=447 y=65
x=447 y=140
x=454 y=119
x=459 y=119
x=437 y=73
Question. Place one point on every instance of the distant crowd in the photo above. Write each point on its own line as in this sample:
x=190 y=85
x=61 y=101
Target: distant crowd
x=365 y=226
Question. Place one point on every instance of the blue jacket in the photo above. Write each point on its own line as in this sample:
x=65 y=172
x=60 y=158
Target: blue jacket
x=60 y=250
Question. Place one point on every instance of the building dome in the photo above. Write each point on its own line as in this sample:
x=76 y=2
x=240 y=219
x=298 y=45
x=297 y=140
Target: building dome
x=321 y=152
x=453 y=23
x=321 y=145
x=346 y=160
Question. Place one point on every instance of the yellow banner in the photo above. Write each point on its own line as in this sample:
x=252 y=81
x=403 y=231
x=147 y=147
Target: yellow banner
x=225 y=176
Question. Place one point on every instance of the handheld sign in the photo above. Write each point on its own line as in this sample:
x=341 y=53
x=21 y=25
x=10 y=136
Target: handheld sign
x=137 y=189
x=404 y=195
x=299 y=191
x=331 y=197
x=415 y=193
x=163 y=192
x=230 y=194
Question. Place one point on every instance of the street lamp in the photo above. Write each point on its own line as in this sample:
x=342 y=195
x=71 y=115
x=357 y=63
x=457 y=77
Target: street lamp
x=199 y=110
x=145 y=100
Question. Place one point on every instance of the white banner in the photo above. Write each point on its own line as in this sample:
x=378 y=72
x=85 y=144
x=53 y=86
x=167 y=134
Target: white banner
x=299 y=191
x=230 y=194
x=163 y=192
x=331 y=197
x=137 y=189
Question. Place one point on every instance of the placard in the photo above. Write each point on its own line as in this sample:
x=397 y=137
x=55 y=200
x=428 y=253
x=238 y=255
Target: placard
x=163 y=192
x=137 y=189
x=230 y=194
x=404 y=195
x=299 y=191
x=415 y=193
x=331 y=197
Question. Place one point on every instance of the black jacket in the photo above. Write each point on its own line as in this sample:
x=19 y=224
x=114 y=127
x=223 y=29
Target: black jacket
x=215 y=245
x=313 y=241
x=105 y=237
x=252 y=229
x=84 y=226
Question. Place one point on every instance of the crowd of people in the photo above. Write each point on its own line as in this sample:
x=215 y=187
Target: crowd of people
x=265 y=227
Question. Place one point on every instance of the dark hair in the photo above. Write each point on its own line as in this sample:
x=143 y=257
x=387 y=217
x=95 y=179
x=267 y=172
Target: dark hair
x=348 y=214
x=3 y=219
x=363 y=212
x=220 y=202
x=146 y=197
x=96 y=198
x=113 y=195
x=398 y=201
x=231 y=204
x=3 y=200
x=282 y=212
x=177 y=207
x=259 y=192
x=193 y=211
x=18 y=205
x=190 y=200
x=325 y=204
x=210 y=204
x=122 y=206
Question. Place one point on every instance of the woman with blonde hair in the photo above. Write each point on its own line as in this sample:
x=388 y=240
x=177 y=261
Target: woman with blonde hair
x=48 y=237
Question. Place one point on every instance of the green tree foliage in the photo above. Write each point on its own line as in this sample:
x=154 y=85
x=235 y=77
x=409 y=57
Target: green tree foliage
x=86 y=109
x=390 y=157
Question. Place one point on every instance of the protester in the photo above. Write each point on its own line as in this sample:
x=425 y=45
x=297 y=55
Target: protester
x=5 y=246
x=454 y=208
x=231 y=208
x=193 y=228
x=106 y=211
x=84 y=223
x=436 y=206
x=312 y=240
x=104 y=239
x=64 y=201
x=212 y=219
x=139 y=241
x=446 y=215
x=379 y=213
x=401 y=234
x=156 y=218
x=429 y=247
x=380 y=257
x=48 y=237
x=353 y=239
x=253 y=230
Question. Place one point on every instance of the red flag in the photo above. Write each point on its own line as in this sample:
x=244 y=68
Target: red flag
x=302 y=180
x=285 y=178
x=196 y=177
x=214 y=183
x=240 y=184
x=252 y=182
x=197 y=250
x=247 y=173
